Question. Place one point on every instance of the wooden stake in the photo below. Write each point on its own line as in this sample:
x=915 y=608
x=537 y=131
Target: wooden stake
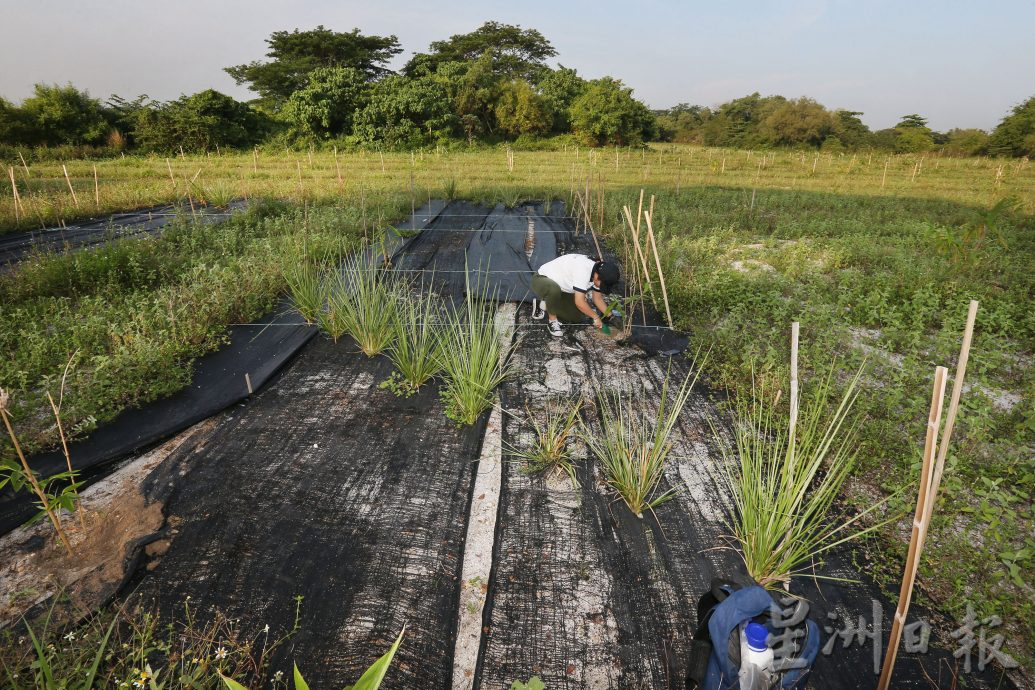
x=885 y=177
x=919 y=527
x=636 y=243
x=96 y=189
x=657 y=262
x=24 y=165
x=337 y=167
x=794 y=392
x=171 y=176
x=301 y=190
x=248 y=382
x=381 y=153
x=255 y=160
x=69 y=181
x=14 y=193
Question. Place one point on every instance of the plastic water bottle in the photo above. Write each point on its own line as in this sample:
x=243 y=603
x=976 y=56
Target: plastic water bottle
x=756 y=658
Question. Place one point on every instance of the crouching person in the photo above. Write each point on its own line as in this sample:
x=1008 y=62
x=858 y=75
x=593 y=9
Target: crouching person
x=569 y=287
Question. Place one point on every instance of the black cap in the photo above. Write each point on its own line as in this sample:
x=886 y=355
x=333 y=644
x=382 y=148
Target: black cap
x=608 y=274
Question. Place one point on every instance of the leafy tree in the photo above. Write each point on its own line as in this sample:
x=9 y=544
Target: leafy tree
x=520 y=110
x=850 y=129
x=798 y=122
x=406 y=113
x=473 y=88
x=1015 y=135
x=559 y=88
x=515 y=52
x=736 y=122
x=682 y=123
x=966 y=142
x=325 y=106
x=200 y=122
x=606 y=114
x=293 y=55
x=913 y=134
x=58 y=115
x=13 y=128
x=885 y=138
x=123 y=115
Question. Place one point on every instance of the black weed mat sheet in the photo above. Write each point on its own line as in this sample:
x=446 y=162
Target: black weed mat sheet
x=324 y=486
x=586 y=595
x=15 y=246
x=467 y=240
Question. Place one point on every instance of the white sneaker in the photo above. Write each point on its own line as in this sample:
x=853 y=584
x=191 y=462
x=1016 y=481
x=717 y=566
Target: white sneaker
x=538 y=312
x=555 y=329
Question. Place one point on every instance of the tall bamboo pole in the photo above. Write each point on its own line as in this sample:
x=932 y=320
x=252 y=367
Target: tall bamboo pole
x=657 y=262
x=69 y=181
x=930 y=483
x=96 y=189
x=919 y=527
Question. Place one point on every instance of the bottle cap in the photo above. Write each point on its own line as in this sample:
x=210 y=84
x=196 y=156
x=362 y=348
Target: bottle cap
x=756 y=634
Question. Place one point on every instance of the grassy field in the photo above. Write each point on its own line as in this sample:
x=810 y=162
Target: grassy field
x=876 y=256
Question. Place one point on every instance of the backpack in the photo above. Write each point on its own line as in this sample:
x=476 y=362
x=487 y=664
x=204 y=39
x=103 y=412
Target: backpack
x=715 y=651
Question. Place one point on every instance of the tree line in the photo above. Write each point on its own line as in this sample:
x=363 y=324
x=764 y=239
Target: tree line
x=757 y=122
x=490 y=85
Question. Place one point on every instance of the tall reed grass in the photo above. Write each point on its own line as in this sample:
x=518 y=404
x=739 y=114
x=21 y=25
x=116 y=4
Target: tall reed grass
x=417 y=340
x=784 y=483
x=635 y=441
x=474 y=359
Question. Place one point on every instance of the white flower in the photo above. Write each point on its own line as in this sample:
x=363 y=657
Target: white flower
x=278 y=675
x=267 y=628
x=221 y=653
x=70 y=637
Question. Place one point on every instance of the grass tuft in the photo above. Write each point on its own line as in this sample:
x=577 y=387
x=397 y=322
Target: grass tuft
x=474 y=359
x=634 y=443
x=784 y=490
x=550 y=447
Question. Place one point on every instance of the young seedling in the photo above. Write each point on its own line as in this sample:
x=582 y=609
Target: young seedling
x=19 y=476
x=415 y=347
x=784 y=477
x=474 y=360
x=634 y=443
x=550 y=446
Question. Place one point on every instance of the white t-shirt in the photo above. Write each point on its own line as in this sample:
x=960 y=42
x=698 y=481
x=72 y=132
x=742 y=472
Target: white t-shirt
x=573 y=272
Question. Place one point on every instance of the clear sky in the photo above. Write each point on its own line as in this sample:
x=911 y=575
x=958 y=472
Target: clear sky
x=960 y=64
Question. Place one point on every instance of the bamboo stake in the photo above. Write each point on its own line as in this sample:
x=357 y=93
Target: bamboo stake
x=301 y=190
x=954 y=403
x=639 y=213
x=794 y=392
x=337 y=168
x=171 y=176
x=24 y=164
x=885 y=177
x=255 y=160
x=636 y=243
x=96 y=189
x=919 y=528
x=14 y=192
x=69 y=181
x=657 y=262
x=381 y=153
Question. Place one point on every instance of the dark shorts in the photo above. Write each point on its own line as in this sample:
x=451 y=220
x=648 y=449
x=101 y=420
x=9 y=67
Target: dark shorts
x=558 y=302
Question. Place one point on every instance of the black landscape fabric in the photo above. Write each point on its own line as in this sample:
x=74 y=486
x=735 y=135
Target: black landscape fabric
x=468 y=239
x=218 y=380
x=15 y=246
x=328 y=487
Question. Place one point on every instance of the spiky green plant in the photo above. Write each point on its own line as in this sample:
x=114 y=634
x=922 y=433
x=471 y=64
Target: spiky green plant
x=305 y=283
x=367 y=298
x=331 y=318
x=474 y=359
x=550 y=448
x=415 y=347
x=784 y=485
x=634 y=443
